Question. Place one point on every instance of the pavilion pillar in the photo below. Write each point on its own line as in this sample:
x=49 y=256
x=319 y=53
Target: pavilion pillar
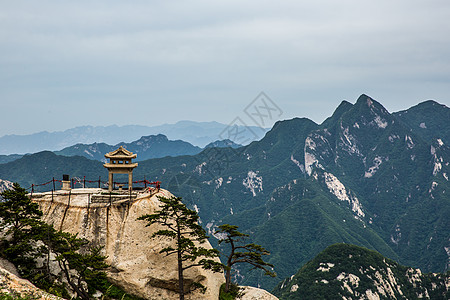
x=130 y=180
x=110 y=181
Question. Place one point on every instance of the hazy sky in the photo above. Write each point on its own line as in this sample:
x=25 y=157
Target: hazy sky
x=71 y=63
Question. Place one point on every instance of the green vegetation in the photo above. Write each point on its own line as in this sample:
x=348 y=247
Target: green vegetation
x=426 y=119
x=19 y=217
x=181 y=225
x=248 y=253
x=234 y=292
x=294 y=214
x=10 y=296
x=43 y=166
x=111 y=291
x=344 y=270
x=26 y=239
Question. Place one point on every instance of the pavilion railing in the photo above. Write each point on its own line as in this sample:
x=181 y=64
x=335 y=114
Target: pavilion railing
x=77 y=182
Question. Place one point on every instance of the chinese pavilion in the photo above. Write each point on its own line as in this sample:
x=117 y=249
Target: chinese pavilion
x=120 y=161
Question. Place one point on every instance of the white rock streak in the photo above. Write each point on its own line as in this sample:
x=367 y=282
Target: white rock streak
x=325 y=267
x=199 y=168
x=297 y=163
x=409 y=142
x=219 y=182
x=253 y=182
x=338 y=189
x=437 y=160
x=376 y=164
x=349 y=141
x=437 y=168
x=310 y=159
x=380 y=122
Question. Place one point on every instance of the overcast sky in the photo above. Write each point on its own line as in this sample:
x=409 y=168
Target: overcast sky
x=71 y=63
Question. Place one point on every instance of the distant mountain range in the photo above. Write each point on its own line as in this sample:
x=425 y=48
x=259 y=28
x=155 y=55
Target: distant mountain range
x=199 y=134
x=153 y=146
x=147 y=147
x=364 y=176
x=8 y=158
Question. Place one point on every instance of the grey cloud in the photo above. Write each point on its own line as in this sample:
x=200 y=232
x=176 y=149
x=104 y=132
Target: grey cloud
x=178 y=55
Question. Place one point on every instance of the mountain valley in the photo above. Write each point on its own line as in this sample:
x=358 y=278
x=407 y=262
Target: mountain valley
x=364 y=176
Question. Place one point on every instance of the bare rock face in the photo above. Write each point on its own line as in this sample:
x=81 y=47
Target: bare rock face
x=136 y=264
x=6 y=265
x=252 y=293
x=13 y=284
x=5 y=185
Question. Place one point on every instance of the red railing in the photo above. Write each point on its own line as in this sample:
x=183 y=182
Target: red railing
x=78 y=181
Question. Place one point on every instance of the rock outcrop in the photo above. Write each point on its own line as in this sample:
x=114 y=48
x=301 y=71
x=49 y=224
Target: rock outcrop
x=13 y=285
x=252 y=293
x=5 y=185
x=111 y=221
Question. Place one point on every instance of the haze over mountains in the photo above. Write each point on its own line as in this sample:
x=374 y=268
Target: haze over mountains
x=152 y=146
x=198 y=134
x=364 y=176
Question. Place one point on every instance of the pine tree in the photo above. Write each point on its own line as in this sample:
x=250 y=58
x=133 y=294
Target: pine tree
x=248 y=253
x=23 y=231
x=181 y=225
x=18 y=216
x=81 y=265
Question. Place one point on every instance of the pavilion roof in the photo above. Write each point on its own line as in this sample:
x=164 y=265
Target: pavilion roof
x=120 y=153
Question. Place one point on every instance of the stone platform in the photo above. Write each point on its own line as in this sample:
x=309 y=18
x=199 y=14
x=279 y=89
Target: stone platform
x=87 y=197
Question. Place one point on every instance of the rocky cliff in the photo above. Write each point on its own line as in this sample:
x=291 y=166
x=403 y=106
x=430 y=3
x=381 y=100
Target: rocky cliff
x=12 y=284
x=351 y=272
x=111 y=221
x=5 y=185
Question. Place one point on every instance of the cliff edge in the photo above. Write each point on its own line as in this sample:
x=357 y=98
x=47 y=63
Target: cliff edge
x=111 y=221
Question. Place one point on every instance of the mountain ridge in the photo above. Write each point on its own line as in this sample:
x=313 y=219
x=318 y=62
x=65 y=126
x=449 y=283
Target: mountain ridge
x=197 y=133
x=147 y=147
x=363 y=176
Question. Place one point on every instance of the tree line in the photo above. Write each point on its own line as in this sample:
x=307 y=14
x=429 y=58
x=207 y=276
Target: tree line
x=33 y=246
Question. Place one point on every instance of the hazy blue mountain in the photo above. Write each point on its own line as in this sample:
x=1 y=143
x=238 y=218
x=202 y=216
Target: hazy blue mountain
x=344 y=271
x=363 y=177
x=42 y=167
x=202 y=133
x=146 y=147
x=58 y=140
x=95 y=151
x=9 y=158
x=196 y=133
x=223 y=144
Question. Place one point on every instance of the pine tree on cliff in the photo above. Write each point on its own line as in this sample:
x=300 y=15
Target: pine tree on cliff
x=18 y=218
x=248 y=253
x=83 y=266
x=181 y=225
x=26 y=239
